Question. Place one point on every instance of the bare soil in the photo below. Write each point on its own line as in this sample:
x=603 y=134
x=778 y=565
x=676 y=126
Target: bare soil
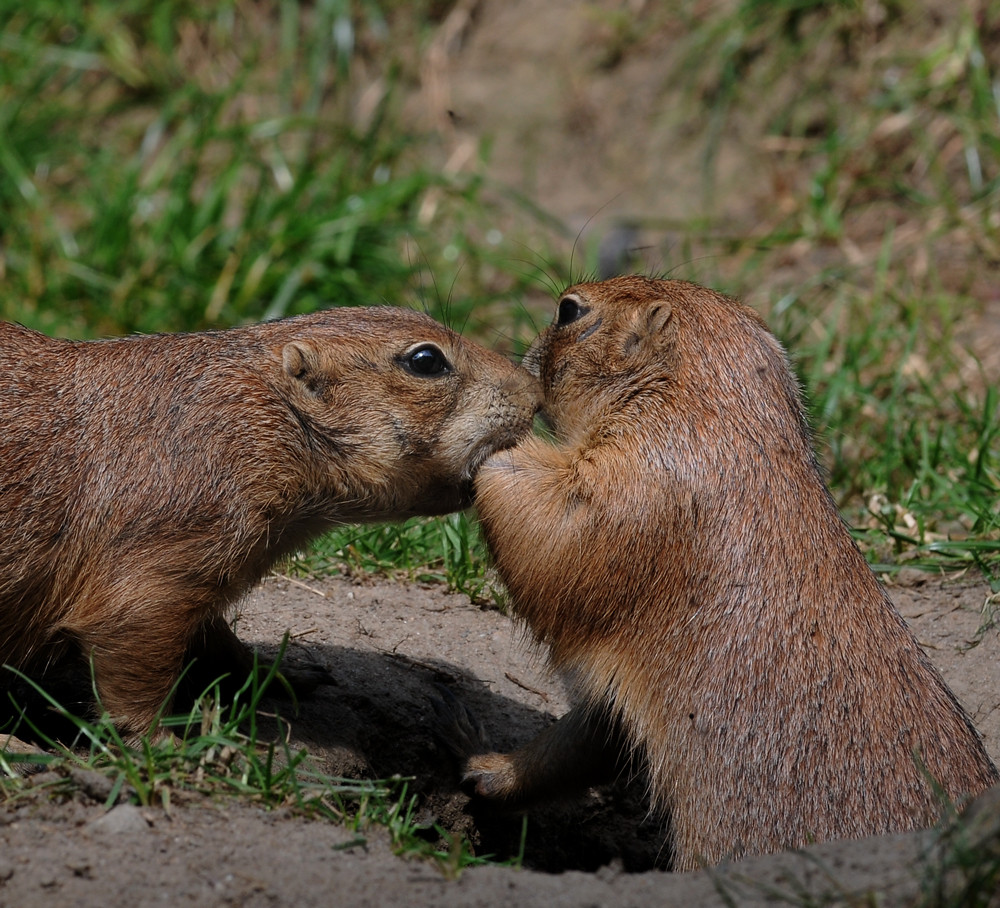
x=388 y=648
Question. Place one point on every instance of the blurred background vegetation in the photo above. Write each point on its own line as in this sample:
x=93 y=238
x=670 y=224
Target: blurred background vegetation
x=182 y=166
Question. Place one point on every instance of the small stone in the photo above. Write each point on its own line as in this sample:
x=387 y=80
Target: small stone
x=125 y=818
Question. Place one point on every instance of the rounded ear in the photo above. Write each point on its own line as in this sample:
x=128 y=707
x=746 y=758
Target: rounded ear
x=299 y=360
x=658 y=318
x=647 y=327
x=304 y=363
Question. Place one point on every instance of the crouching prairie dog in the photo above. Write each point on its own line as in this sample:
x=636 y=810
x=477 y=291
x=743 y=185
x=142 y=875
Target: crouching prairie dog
x=678 y=552
x=147 y=483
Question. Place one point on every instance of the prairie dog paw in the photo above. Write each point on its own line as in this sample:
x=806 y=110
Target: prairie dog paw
x=491 y=776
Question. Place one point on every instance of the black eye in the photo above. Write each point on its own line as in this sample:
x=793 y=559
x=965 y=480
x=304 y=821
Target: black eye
x=569 y=311
x=426 y=360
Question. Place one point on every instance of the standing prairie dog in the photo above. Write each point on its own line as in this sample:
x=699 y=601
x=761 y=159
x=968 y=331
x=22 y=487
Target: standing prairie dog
x=147 y=483
x=677 y=550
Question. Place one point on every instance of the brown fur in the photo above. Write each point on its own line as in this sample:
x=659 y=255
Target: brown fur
x=147 y=483
x=677 y=550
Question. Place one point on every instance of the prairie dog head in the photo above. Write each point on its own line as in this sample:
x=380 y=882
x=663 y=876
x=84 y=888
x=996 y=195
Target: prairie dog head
x=640 y=347
x=405 y=408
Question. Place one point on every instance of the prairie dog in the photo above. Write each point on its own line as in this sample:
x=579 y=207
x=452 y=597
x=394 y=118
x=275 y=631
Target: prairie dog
x=147 y=483
x=678 y=552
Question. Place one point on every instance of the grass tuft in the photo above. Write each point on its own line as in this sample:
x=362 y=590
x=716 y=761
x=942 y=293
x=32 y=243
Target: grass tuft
x=446 y=550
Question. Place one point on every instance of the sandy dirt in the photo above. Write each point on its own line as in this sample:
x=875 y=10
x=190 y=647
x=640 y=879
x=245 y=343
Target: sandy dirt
x=388 y=647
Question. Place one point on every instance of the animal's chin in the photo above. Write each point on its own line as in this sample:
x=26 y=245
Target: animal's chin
x=498 y=445
x=485 y=452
